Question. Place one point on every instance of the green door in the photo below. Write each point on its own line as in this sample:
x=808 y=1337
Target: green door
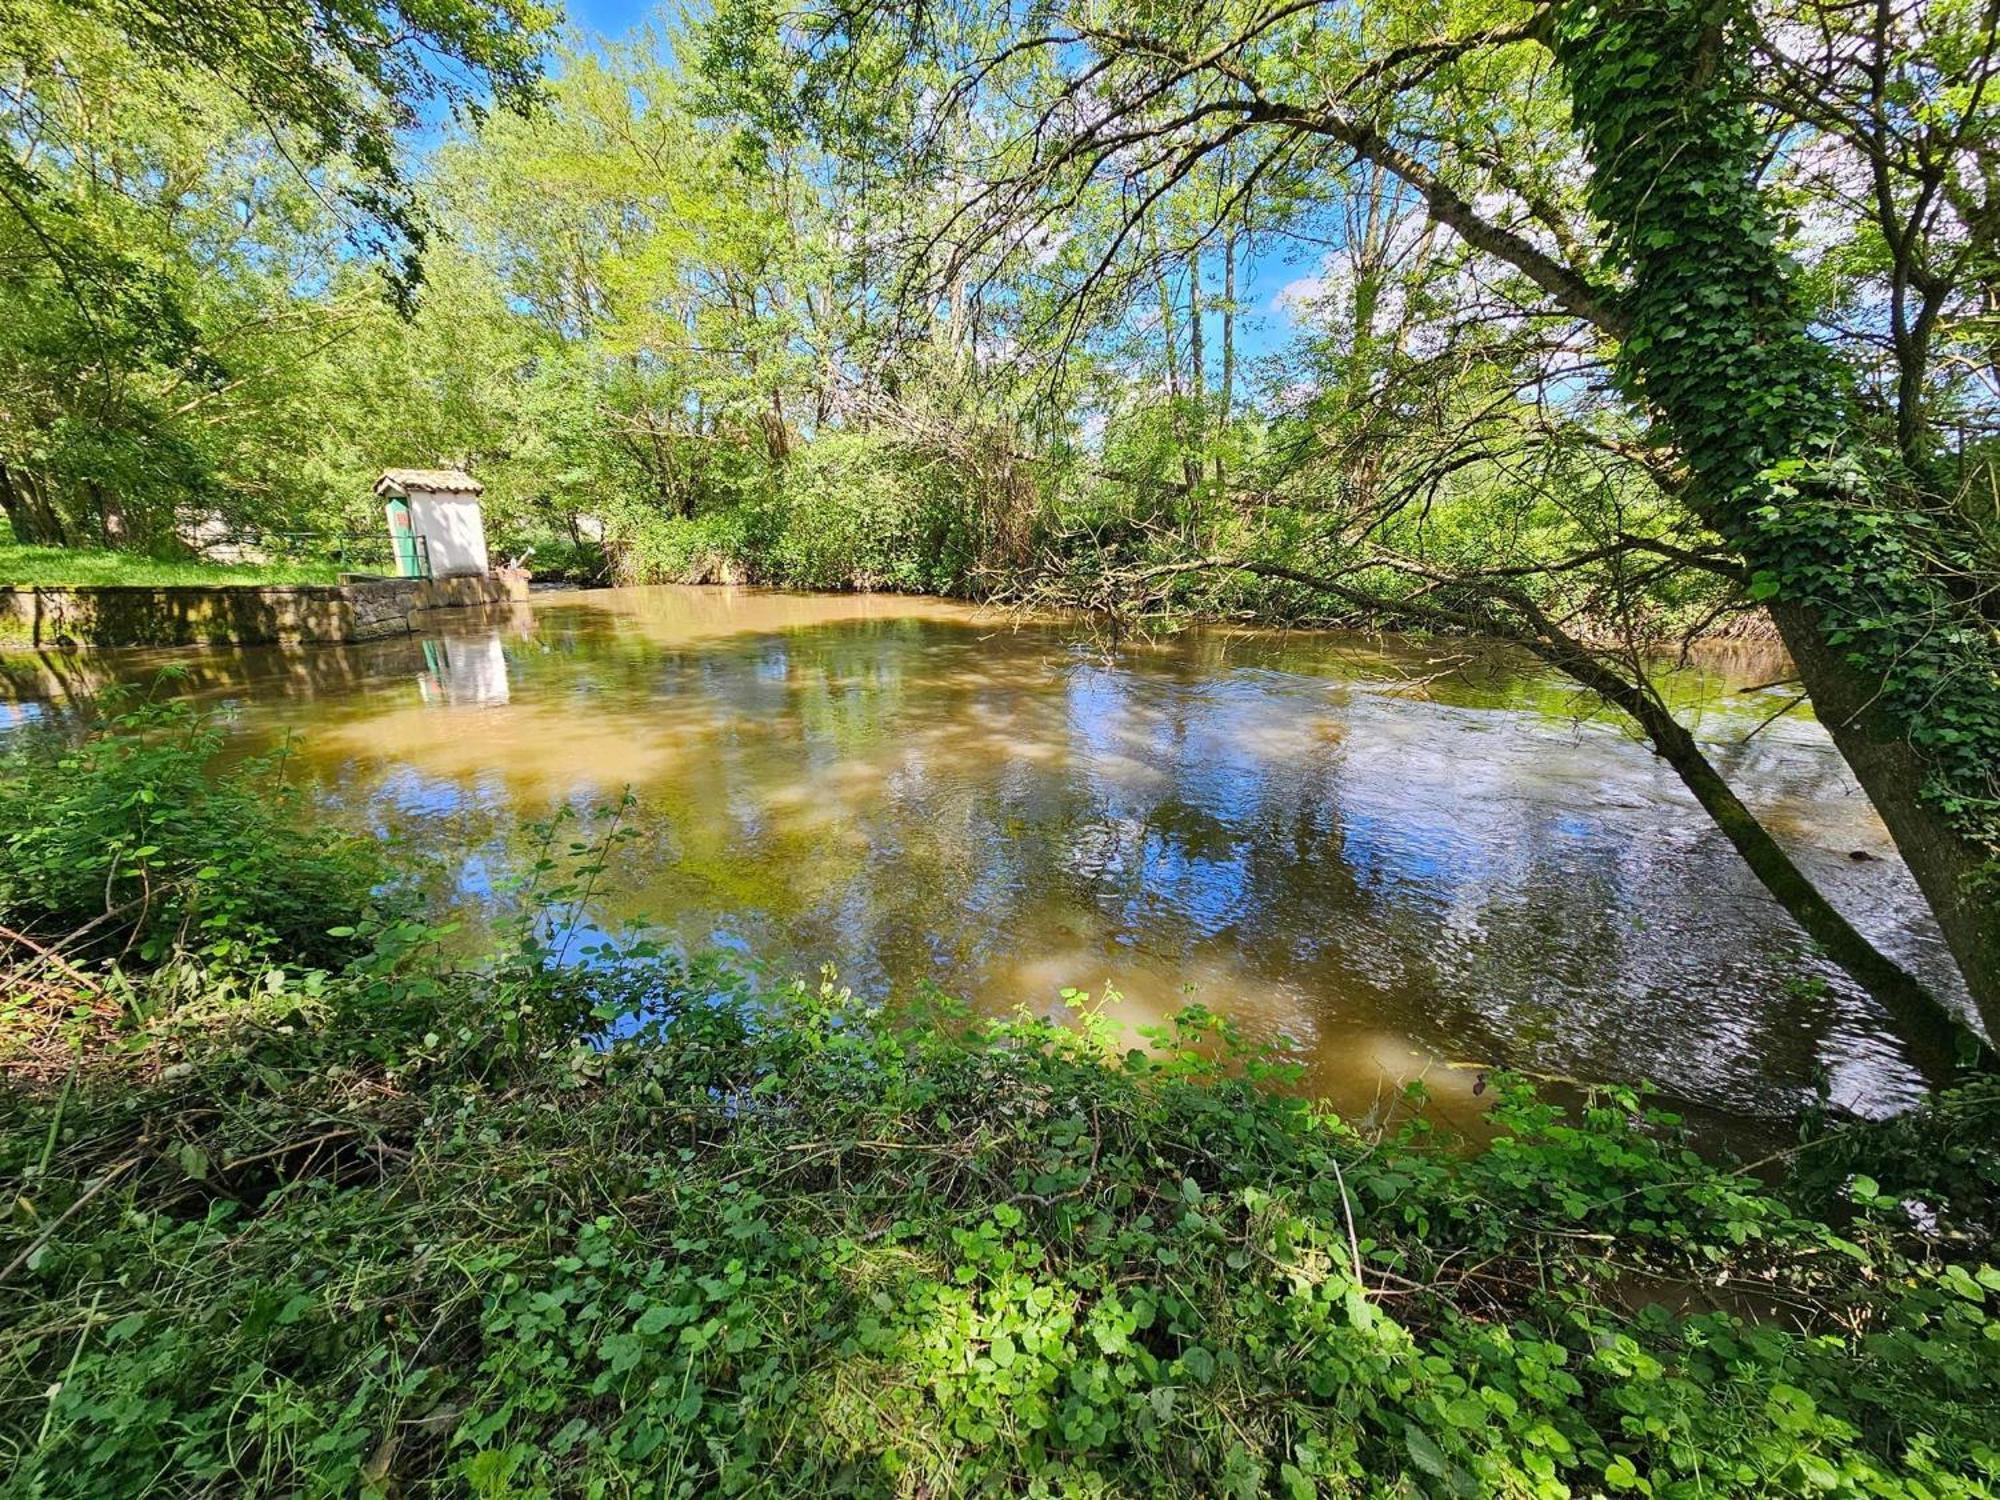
x=402 y=539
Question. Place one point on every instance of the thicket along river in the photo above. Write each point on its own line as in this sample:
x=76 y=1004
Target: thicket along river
x=1409 y=858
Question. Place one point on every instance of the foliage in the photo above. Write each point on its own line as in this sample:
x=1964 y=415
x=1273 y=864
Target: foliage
x=926 y=304
x=1943 y=1156
x=960 y=298
x=1553 y=312
x=428 y=1239
x=850 y=512
x=135 y=835
x=588 y=1218
x=187 y=205
x=1718 y=341
x=154 y=328
x=333 y=79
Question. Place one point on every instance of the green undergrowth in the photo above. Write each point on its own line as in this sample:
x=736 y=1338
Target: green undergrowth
x=416 y=1231
x=122 y=841
x=308 y=1213
x=846 y=512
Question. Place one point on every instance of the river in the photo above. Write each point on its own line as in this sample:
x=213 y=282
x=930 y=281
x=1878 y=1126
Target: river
x=1410 y=859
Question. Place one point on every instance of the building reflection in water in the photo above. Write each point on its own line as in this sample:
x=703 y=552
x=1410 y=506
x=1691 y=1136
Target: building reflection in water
x=464 y=670
x=1401 y=863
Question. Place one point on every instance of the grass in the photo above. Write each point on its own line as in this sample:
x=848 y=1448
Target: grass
x=54 y=567
x=778 y=1245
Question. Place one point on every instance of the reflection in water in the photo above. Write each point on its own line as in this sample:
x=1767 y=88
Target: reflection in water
x=1397 y=856
x=465 y=669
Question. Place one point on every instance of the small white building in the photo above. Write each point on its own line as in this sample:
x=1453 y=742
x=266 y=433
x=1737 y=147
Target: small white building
x=436 y=529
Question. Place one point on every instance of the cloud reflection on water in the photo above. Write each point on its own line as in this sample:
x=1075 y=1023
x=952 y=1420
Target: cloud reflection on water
x=1396 y=858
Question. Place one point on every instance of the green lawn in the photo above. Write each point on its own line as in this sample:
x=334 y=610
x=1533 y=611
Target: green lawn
x=83 y=565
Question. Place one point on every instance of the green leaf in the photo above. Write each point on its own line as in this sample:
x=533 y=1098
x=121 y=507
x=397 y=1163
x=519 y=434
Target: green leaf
x=1425 y=1453
x=1620 y=1474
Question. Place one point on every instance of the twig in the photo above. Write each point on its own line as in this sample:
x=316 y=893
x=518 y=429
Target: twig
x=50 y=956
x=75 y=1355
x=60 y=1219
x=1347 y=1209
x=280 y=1149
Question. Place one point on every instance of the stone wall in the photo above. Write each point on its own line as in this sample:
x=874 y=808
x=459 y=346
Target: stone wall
x=353 y=610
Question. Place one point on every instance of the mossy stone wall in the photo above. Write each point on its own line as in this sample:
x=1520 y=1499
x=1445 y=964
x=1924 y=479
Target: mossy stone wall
x=229 y=614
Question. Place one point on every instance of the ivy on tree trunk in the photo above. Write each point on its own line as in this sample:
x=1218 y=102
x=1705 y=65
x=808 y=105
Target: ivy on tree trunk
x=1904 y=673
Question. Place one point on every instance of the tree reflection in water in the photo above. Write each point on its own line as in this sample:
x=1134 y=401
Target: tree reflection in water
x=1396 y=861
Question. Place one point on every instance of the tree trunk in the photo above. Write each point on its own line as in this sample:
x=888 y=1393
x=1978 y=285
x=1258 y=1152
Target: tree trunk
x=29 y=513
x=1197 y=388
x=1198 y=381
x=1904 y=671
x=777 y=434
x=1936 y=1040
x=112 y=522
x=1227 y=395
x=1936 y=1043
x=1949 y=869
x=1173 y=359
x=1190 y=473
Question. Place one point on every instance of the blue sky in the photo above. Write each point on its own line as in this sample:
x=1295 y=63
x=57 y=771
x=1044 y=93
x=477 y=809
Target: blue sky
x=1261 y=324
x=608 y=17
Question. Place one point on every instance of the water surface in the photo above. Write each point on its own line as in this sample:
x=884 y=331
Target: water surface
x=1409 y=858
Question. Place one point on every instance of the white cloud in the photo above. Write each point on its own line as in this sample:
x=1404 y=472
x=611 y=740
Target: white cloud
x=1297 y=298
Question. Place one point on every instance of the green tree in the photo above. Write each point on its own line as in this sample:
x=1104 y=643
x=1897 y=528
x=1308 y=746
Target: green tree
x=1665 y=264
x=186 y=204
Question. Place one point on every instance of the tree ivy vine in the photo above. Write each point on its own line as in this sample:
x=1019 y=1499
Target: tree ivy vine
x=1720 y=346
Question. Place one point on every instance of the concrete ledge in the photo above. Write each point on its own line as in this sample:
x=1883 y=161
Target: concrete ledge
x=234 y=614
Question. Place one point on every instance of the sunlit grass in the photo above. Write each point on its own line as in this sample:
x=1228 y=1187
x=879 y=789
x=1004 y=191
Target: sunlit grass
x=94 y=566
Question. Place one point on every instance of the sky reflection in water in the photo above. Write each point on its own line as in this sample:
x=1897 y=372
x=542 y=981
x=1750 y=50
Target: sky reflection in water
x=1400 y=855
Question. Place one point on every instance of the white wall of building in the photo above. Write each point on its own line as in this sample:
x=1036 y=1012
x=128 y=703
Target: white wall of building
x=454 y=529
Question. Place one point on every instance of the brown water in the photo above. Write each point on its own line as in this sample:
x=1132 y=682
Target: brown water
x=1411 y=859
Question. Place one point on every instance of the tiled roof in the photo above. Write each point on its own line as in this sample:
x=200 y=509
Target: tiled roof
x=437 y=481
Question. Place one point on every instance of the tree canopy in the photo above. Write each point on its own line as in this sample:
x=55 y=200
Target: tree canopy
x=1618 y=326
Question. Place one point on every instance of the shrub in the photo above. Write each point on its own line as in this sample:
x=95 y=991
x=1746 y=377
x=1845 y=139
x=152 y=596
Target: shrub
x=716 y=547
x=627 y=1226
x=553 y=556
x=137 y=833
x=1940 y=1162
x=848 y=511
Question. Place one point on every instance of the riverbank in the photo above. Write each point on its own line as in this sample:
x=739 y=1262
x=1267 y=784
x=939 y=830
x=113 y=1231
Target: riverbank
x=301 y=1204
x=34 y=617
x=409 y=1232
x=25 y=566
x=1375 y=845
x=727 y=549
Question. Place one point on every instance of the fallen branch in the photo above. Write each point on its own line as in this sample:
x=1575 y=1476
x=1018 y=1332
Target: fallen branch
x=49 y=955
x=62 y=1218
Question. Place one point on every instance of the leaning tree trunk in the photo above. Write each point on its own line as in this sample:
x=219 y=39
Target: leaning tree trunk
x=1935 y=1040
x=1955 y=873
x=1904 y=672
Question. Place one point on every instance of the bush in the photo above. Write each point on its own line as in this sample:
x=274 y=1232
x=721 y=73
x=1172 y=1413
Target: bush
x=1940 y=1162
x=783 y=1244
x=716 y=547
x=627 y=1226
x=848 y=511
x=553 y=556
x=136 y=834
